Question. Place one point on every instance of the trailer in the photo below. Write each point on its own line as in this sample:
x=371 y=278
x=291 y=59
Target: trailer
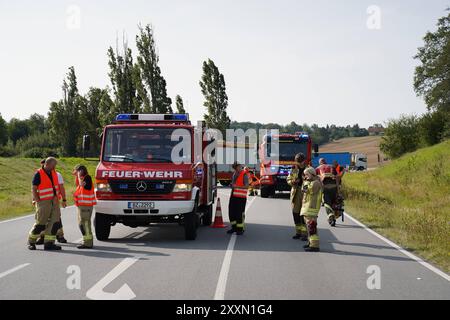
x=342 y=158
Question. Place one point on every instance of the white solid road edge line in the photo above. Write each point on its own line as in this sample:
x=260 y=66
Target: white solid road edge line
x=4 y=274
x=402 y=250
x=27 y=216
x=225 y=269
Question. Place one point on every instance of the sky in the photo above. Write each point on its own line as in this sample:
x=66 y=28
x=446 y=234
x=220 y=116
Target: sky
x=323 y=62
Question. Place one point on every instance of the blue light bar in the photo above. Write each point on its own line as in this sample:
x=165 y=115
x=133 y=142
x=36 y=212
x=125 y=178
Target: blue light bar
x=152 y=117
x=123 y=117
x=179 y=117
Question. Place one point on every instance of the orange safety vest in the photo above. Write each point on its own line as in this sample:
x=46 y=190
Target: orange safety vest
x=84 y=197
x=46 y=188
x=239 y=188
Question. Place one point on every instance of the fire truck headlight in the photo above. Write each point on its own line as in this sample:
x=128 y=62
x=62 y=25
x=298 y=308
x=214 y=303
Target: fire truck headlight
x=182 y=187
x=103 y=187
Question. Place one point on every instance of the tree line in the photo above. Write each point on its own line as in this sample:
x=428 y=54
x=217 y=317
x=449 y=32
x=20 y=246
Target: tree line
x=319 y=135
x=137 y=86
x=432 y=82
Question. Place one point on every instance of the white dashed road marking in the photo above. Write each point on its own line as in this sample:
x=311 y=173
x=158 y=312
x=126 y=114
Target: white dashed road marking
x=223 y=276
x=8 y=272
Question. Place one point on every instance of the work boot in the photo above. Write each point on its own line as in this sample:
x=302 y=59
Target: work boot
x=61 y=239
x=240 y=232
x=83 y=246
x=306 y=246
x=304 y=238
x=296 y=237
x=312 y=249
x=232 y=230
x=332 y=221
x=40 y=241
x=31 y=247
x=51 y=247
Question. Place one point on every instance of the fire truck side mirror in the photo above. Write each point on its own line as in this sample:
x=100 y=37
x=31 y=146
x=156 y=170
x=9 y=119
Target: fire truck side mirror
x=86 y=142
x=316 y=148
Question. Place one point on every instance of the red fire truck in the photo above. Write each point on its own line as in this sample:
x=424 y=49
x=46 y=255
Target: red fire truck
x=139 y=183
x=274 y=172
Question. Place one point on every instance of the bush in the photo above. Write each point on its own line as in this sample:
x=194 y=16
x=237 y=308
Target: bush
x=38 y=152
x=41 y=140
x=7 y=151
x=401 y=136
x=433 y=127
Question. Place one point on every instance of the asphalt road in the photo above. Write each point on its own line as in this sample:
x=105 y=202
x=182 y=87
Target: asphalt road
x=265 y=263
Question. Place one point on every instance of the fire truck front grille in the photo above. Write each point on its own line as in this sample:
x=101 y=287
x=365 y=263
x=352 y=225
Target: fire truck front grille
x=137 y=187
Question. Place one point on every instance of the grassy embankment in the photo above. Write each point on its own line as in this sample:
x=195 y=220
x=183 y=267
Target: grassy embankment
x=408 y=201
x=15 y=183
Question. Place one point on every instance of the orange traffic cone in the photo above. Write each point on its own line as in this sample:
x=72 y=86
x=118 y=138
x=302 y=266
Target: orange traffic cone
x=218 y=221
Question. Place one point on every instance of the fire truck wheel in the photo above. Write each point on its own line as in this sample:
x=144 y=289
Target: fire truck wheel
x=207 y=216
x=191 y=223
x=102 y=225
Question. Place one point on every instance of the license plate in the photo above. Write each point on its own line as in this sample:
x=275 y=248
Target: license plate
x=141 y=205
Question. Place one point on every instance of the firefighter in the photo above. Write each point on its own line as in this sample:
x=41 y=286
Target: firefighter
x=328 y=178
x=60 y=233
x=253 y=182
x=46 y=196
x=84 y=197
x=340 y=171
x=312 y=198
x=238 y=199
x=295 y=180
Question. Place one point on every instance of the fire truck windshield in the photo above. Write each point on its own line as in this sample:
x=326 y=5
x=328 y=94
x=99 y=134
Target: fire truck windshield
x=145 y=145
x=288 y=149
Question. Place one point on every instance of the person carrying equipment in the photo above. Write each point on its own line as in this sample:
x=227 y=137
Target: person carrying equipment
x=254 y=182
x=46 y=195
x=238 y=199
x=312 y=199
x=295 y=180
x=327 y=175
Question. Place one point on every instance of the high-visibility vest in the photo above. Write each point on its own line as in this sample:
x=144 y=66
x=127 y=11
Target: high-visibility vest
x=239 y=188
x=46 y=188
x=325 y=171
x=84 y=197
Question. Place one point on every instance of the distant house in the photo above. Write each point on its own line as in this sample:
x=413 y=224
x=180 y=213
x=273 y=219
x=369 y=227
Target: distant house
x=376 y=130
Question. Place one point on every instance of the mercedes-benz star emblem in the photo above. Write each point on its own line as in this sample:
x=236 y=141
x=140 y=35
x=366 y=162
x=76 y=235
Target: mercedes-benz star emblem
x=141 y=186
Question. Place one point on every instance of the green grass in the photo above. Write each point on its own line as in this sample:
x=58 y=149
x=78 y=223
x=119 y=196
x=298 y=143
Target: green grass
x=15 y=183
x=408 y=201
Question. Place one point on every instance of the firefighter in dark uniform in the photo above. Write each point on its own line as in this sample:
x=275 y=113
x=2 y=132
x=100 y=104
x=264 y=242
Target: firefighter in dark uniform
x=328 y=178
x=238 y=199
x=46 y=196
x=295 y=180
